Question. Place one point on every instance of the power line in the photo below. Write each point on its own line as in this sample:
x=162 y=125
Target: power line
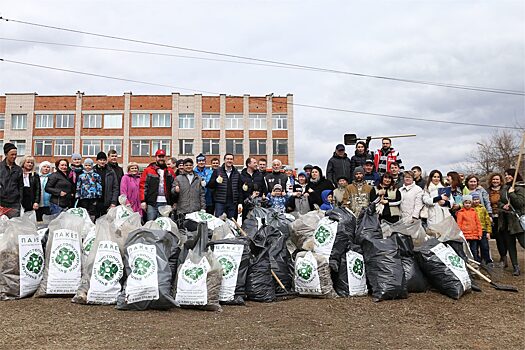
x=328 y=70
x=275 y=102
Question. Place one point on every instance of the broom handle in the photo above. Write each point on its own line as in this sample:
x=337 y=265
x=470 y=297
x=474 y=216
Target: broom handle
x=389 y=137
x=519 y=160
x=478 y=273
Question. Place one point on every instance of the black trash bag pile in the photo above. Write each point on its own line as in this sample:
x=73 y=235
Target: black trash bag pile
x=350 y=280
x=313 y=275
x=384 y=269
x=234 y=257
x=416 y=281
x=444 y=268
x=281 y=260
x=368 y=225
x=260 y=285
x=149 y=275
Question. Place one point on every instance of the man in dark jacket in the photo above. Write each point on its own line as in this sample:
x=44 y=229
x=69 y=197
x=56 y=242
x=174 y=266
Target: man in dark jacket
x=419 y=180
x=252 y=180
x=276 y=176
x=11 y=182
x=110 y=188
x=371 y=177
x=338 y=165
x=189 y=191
x=226 y=181
x=113 y=164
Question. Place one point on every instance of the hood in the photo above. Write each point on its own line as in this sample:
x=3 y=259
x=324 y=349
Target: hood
x=324 y=196
x=320 y=171
x=336 y=156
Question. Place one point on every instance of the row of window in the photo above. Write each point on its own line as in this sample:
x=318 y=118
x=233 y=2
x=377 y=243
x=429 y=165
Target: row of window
x=142 y=148
x=146 y=120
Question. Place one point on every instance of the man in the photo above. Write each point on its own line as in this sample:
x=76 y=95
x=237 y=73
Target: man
x=385 y=156
x=371 y=177
x=110 y=188
x=397 y=176
x=226 y=181
x=262 y=166
x=205 y=175
x=215 y=163
x=290 y=182
x=76 y=167
x=276 y=176
x=357 y=195
x=155 y=186
x=189 y=191
x=113 y=164
x=179 y=165
x=252 y=180
x=308 y=170
x=339 y=165
x=418 y=176
x=171 y=162
x=11 y=182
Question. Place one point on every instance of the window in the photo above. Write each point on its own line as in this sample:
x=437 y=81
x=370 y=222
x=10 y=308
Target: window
x=43 y=147
x=90 y=148
x=186 y=147
x=210 y=146
x=63 y=147
x=211 y=122
x=2 y=122
x=186 y=121
x=19 y=122
x=112 y=144
x=65 y=120
x=258 y=122
x=234 y=122
x=140 y=148
x=113 y=121
x=257 y=146
x=234 y=146
x=161 y=120
x=140 y=120
x=92 y=121
x=161 y=144
x=280 y=122
x=21 y=146
x=280 y=146
x=44 y=121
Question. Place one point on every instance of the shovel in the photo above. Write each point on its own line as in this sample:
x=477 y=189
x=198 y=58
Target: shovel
x=493 y=284
x=351 y=139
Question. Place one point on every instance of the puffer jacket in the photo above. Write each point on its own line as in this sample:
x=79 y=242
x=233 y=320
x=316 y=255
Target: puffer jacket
x=411 y=201
x=11 y=185
x=358 y=160
x=190 y=197
x=149 y=184
x=469 y=224
x=315 y=189
x=231 y=183
x=60 y=182
x=508 y=221
x=338 y=166
x=129 y=187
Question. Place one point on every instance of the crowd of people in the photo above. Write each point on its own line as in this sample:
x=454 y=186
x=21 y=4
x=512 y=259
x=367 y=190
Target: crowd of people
x=481 y=212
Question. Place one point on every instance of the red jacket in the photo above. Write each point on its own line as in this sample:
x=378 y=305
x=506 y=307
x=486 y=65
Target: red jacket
x=149 y=184
x=468 y=222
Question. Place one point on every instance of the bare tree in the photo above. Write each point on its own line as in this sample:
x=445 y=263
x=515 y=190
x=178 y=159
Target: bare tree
x=496 y=153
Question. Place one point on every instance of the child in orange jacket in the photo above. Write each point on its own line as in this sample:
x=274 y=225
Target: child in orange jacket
x=468 y=222
x=486 y=226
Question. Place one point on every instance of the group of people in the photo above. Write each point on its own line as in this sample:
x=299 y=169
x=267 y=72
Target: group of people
x=354 y=182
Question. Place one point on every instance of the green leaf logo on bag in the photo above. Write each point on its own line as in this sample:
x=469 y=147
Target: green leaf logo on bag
x=66 y=257
x=193 y=274
x=89 y=245
x=204 y=216
x=305 y=270
x=125 y=214
x=163 y=223
x=34 y=263
x=455 y=261
x=358 y=268
x=322 y=235
x=107 y=270
x=141 y=266
x=228 y=266
x=77 y=212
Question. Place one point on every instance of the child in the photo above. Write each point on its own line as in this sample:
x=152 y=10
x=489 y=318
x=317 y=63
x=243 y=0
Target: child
x=486 y=226
x=89 y=188
x=469 y=223
x=277 y=199
x=339 y=192
x=328 y=199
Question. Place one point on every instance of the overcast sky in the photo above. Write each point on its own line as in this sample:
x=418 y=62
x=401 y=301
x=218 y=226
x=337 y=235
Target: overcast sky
x=479 y=43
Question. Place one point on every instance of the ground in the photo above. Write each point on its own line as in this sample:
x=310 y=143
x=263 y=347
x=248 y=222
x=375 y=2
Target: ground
x=486 y=320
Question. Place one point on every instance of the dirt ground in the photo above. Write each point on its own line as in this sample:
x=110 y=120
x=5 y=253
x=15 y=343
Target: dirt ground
x=486 y=320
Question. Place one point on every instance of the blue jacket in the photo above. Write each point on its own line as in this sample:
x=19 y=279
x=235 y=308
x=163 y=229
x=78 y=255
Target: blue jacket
x=372 y=179
x=326 y=204
x=205 y=174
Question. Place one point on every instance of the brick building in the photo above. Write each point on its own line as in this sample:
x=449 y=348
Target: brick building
x=53 y=127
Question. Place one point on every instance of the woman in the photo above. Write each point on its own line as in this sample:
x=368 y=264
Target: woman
x=32 y=189
x=438 y=206
x=494 y=188
x=61 y=188
x=388 y=199
x=512 y=205
x=316 y=185
x=44 y=171
x=359 y=158
x=411 y=197
x=129 y=187
x=473 y=186
x=456 y=191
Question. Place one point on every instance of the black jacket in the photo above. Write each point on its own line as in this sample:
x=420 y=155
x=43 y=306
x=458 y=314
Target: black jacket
x=11 y=185
x=358 y=160
x=314 y=190
x=250 y=181
x=58 y=182
x=31 y=193
x=338 y=166
x=274 y=178
x=118 y=171
x=229 y=189
x=110 y=186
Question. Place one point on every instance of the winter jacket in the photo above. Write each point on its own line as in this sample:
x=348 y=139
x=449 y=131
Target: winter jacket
x=315 y=189
x=190 y=197
x=432 y=210
x=150 y=181
x=383 y=159
x=358 y=160
x=44 y=196
x=11 y=185
x=411 y=202
x=205 y=175
x=508 y=221
x=118 y=171
x=89 y=186
x=484 y=218
x=249 y=181
x=229 y=188
x=357 y=196
x=60 y=182
x=299 y=204
x=338 y=166
x=469 y=224
x=274 y=178
x=129 y=187
x=372 y=178
x=277 y=202
x=326 y=204
x=421 y=182
x=31 y=193
x=110 y=187
x=483 y=196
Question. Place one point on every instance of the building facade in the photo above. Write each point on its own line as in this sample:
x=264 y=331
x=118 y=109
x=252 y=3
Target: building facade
x=54 y=127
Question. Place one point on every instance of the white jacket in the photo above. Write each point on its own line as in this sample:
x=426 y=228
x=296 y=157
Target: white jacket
x=411 y=201
x=436 y=213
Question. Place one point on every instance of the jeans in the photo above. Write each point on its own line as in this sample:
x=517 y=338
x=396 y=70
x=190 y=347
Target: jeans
x=229 y=208
x=474 y=246
x=152 y=211
x=485 y=249
x=55 y=208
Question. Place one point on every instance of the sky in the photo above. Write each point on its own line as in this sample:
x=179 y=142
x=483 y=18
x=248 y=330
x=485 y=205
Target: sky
x=475 y=43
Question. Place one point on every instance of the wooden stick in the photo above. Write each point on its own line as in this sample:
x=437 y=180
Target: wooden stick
x=389 y=137
x=478 y=273
x=519 y=161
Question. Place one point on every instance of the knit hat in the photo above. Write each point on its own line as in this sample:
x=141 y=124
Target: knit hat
x=200 y=157
x=475 y=195
x=76 y=156
x=302 y=173
x=359 y=169
x=88 y=161
x=8 y=147
x=342 y=178
x=102 y=155
x=278 y=187
x=467 y=197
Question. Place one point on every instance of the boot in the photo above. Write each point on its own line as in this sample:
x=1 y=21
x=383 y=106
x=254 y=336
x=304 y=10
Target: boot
x=516 y=271
x=504 y=262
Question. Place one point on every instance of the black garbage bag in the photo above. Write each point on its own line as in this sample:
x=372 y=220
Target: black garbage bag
x=149 y=275
x=234 y=256
x=251 y=225
x=260 y=284
x=368 y=225
x=444 y=268
x=281 y=260
x=345 y=218
x=384 y=269
x=350 y=280
x=416 y=281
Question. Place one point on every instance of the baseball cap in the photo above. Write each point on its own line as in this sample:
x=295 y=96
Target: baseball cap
x=369 y=161
x=160 y=152
x=340 y=147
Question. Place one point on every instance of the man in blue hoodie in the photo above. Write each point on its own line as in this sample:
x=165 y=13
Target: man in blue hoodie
x=205 y=175
x=371 y=177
